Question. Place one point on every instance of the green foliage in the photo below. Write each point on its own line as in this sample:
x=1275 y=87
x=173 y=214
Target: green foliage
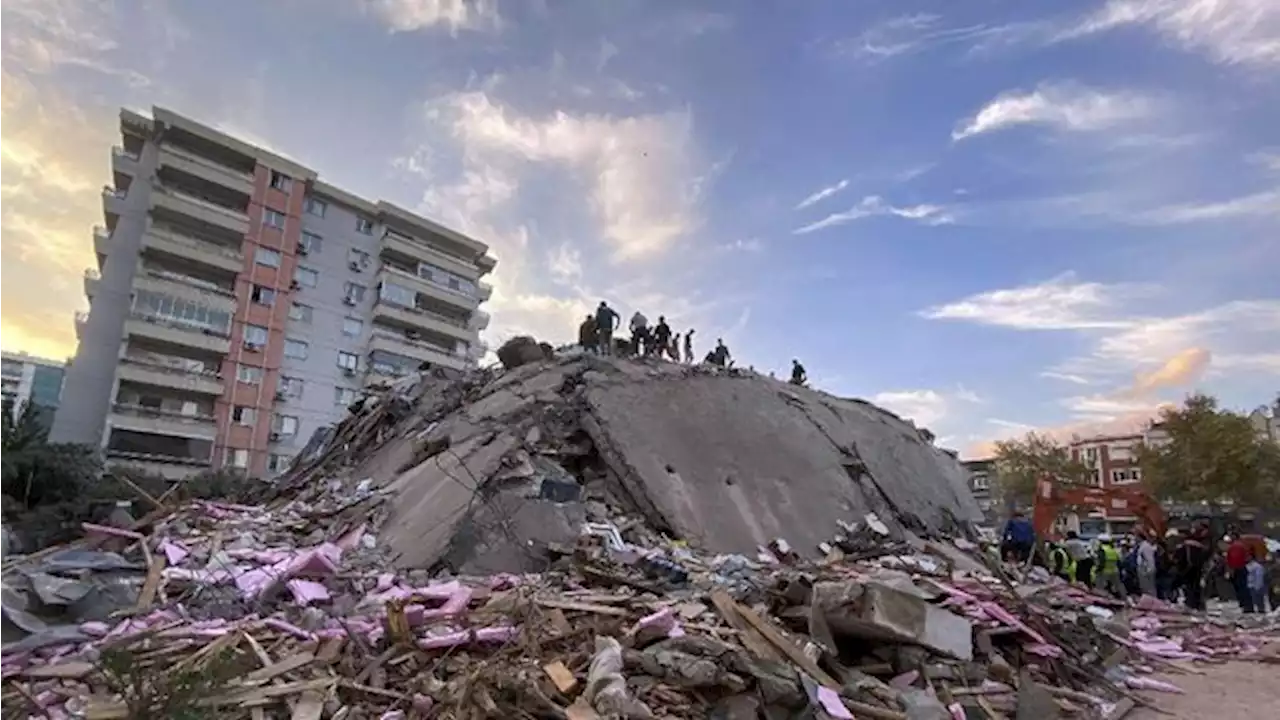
x=1211 y=455
x=37 y=473
x=164 y=694
x=1021 y=462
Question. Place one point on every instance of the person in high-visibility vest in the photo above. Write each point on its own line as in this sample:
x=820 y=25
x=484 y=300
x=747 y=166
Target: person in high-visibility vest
x=1064 y=566
x=1107 y=562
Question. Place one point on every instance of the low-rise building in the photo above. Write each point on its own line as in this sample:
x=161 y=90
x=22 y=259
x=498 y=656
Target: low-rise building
x=29 y=379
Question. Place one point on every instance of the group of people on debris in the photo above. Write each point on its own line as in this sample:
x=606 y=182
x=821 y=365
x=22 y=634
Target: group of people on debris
x=1170 y=568
x=596 y=335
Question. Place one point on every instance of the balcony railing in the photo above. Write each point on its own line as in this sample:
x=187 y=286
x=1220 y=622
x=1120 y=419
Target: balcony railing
x=174 y=366
x=397 y=337
x=144 y=411
x=180 y=325
x=432 y=282
x=238 y=215
x=427 y=246
x=119 y=151
x=211 y=164
x=196 y=243
x=188 y=280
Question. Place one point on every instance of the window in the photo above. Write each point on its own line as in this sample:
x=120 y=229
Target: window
x=316 y=207
x=300 y=312
x=263 y=295
x=343 y=396
x=267 y=257
x=250 y=375
x=255 y=335
x=306 y=277
x=352 y=327
x=284 y=424
x=273 y=218
x=1125 y=476
x=290 y=386
x=295 y=349
x=397 y=294
x=277 y=463
x=364 y=226
x=237 y=458
x=354 y=292
x=310 y=243
x=280 y=181
x=177 y=311
x=980 y=482
x=1095 y=478
x=244 y=415
x=348 y=361
x=357 y=259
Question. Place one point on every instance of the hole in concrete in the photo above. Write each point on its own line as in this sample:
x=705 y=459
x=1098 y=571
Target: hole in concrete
x=671 y=469
x=730 y=481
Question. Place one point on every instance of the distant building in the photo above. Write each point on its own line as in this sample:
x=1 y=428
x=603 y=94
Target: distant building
x=1266 y=422
x=29 y=379
x=982 y=479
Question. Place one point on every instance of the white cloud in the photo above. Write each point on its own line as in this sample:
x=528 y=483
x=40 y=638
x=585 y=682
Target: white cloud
x=1066 y=377
x=1230 y=32
x=908 y=34
x=1058 y=304
x=743 y=245
x=1107 y=407
x=642 y=170
x=1063 y=106
x=822 y=194
x=414 y=15
x=1260 y=204
x=875 y=206
x=565 y=263
x=924 y=407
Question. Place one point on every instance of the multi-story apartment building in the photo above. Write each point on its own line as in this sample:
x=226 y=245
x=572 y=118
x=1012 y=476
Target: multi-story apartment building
x=239 y=303
x=982 y=481
x=29 y=379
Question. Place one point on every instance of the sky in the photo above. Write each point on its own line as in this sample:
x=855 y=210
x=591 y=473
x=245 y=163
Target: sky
x=989 y=216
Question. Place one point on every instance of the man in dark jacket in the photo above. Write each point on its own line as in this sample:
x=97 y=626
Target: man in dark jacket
x=798 y=374
x=661 y=335
x=1192 y=555
x=606 y=321
x=1019 y=537
x=587 y=334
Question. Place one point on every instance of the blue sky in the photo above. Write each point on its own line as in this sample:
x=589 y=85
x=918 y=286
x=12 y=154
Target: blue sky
x=988 y=216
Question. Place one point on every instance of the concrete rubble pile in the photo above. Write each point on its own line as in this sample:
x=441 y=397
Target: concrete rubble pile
x=576 y=577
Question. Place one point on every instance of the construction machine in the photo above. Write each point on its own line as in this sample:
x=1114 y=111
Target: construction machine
x=1052 y=497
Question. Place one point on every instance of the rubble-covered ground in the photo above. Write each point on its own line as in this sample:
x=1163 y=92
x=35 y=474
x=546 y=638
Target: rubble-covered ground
x=589 y=538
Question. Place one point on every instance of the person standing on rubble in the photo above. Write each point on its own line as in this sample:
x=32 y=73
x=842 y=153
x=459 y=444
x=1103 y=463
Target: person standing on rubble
x=798 y=374
x=639 y=334
x=1061 y=562
x=688 y=346
x=1108 y=563
x=661 y=336
x=1018 y=539
x=1237 y=561
x=1081 y=557
x=606 y=321
x=1146 y=564
x=721 y=354
x=587 y=334
x=673 y=348
x=1192 y=556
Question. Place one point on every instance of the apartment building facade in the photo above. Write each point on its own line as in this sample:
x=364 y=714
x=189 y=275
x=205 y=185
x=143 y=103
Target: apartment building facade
x=29 y=379
x=240 y=303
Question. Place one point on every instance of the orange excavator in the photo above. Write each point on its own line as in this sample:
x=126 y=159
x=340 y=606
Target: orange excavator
x=1052 y=497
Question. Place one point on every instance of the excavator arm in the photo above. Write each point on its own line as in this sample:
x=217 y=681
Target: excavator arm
x=1052 y=497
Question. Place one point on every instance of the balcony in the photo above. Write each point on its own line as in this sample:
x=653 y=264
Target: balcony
x=186 y=162
x=175 y=201
x=485 y=290
x=123 y=161
x=429 y=288
x=424 y=320
x=158 y=373
x=175 y=333
x=408 y=248
x=183 y=286
x=416 y=349
x=208 y=254
x=82 y=322
x=479 y=321
x=101 y=244
x=162 y=422
x=112 y=201
x=91 y=282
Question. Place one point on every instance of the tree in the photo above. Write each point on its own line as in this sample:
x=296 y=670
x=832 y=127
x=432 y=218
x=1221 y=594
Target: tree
x=1022 y=462
x=1210 y=455
x=37 y=473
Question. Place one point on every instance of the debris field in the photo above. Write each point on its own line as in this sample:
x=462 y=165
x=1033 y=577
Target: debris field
x=580 y=538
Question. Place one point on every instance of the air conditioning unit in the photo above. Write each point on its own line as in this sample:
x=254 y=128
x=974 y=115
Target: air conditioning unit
x=348 y=300
x=274 y=437
x=280 y=395
x=252 y=347
x=293 y=285
x=355 y=266
x=349 y=372
x=302 y=250
x=412 y=334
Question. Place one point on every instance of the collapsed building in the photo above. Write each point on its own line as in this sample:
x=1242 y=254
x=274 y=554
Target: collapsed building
x=483 y=471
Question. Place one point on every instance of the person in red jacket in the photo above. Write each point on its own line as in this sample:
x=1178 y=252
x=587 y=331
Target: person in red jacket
x=1238 y=554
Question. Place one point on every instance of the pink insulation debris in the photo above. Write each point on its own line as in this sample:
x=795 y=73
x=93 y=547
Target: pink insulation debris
x=1044 y=650
x=306 y=592
x=93 y=529
x=995 y=611
x=1146 y=683
x=350 y=540
x=663 y=622
x=385 y=581
x=174 y=552
x=288 y=627
x=463 y=637
x=831 y=702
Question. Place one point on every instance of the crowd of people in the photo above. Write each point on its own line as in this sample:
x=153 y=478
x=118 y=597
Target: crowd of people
x=1173 y=568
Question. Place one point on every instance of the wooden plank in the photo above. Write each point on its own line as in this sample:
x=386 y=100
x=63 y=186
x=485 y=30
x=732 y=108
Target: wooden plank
x=583 y=607
x=786 y=647
x=580 y=710
x=62 y=671
x=753 y=640
x=155 y=574
x=560 y=675
x=373 y=690
x=310 y=706
x=330 y=650
x=287 y=665
x=559 y=622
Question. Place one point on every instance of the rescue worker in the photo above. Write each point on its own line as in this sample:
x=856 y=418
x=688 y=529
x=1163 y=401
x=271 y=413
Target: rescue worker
x=1189 y=562
x=798 y=374
x=1146 y=564
x=1018 y=538
x=688 y=346
x=1081 y=556
x=661 y=335
x=1107 y=560
x=606 y=321
x=1237 y=561
x=587 y=334
x=1061 y=562
x=639 y=334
